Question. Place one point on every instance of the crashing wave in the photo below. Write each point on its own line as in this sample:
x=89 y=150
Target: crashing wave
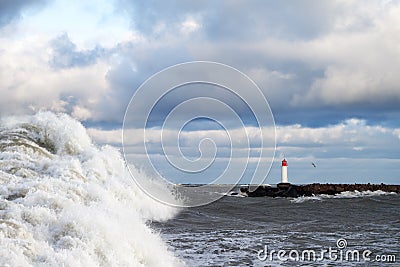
x=64 y=201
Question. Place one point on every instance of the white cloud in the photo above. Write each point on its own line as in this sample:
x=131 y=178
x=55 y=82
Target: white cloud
x=334 y=140
x=336 y=150
x=360 y=66
x=397 y=132
x=105 y=136
x=189 y=25
x=81 y=113
x=330 y=141
x=89 y=23
x=30 y=84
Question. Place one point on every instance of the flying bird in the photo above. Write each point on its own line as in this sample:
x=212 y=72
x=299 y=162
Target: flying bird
x=312 y=163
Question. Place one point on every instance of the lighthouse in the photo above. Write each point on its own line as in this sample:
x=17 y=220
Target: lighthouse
x=284 y=184
x=284 y=179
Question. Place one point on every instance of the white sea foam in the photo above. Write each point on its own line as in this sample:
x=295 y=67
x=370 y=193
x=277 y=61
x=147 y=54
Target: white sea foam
x=303 y=199
x=232 y=194
x=64 y=201
x=346 y=194
x=354 y=194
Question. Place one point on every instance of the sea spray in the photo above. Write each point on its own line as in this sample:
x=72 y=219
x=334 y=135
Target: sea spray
x=64 y=201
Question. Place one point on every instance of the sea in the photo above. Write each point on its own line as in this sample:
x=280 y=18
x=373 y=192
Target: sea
x=66 y=201
x=244 y=231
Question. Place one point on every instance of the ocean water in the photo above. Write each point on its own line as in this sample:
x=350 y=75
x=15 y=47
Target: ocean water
x=65 y=201
x=233 y=230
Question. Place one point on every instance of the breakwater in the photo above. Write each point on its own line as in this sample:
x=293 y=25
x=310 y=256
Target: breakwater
x=290 y=190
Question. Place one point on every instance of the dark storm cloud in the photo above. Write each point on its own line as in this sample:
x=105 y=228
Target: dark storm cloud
x=12 y=9
x=317 y=62
x=66 y=55
x=238 y=19
x=134 y=64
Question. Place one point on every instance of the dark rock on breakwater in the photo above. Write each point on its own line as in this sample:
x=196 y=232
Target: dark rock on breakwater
x=289 y=190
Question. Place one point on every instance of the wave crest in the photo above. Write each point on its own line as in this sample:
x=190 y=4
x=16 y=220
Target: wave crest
x=64 y=201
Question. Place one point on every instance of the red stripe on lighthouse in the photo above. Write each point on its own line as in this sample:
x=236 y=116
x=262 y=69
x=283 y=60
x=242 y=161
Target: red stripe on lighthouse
x=284 y=162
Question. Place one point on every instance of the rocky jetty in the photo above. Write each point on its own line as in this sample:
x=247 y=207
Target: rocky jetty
x=289 y=190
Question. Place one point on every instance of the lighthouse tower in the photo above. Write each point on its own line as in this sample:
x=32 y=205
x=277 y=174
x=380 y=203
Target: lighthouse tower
x=284 y=179
x=284 y=184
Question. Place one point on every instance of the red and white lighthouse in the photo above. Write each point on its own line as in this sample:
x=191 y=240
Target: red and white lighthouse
x=284 y=176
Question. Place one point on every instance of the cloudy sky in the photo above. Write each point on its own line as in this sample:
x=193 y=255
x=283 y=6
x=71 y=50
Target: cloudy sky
x=329 y=70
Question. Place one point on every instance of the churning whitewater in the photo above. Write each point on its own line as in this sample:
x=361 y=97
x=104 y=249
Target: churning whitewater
x=65 y=201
